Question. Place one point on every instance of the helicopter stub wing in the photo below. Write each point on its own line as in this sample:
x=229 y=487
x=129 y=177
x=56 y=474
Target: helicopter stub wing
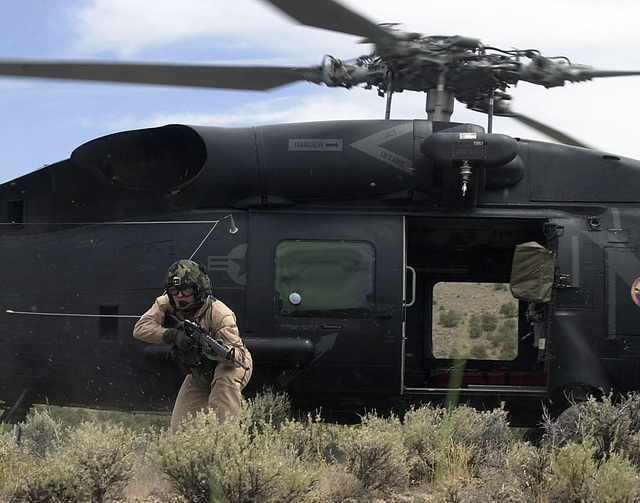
x=223 y=77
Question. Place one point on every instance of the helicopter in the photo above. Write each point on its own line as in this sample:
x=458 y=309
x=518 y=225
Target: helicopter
x=335 y=242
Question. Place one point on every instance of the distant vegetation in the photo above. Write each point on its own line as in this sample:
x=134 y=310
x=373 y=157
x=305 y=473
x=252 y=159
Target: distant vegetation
x=591 y=454
x=475 y=320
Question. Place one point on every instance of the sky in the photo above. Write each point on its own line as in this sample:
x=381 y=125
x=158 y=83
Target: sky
x=43 y=121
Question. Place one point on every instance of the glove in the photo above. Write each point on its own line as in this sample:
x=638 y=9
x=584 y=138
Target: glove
x=172 y=321
x=177 y=337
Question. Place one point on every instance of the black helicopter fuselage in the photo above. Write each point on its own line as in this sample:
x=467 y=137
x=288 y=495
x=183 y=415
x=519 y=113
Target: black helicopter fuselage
x=337 y=244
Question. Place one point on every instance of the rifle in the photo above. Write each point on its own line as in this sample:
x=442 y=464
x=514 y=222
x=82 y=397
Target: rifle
x=211 y=348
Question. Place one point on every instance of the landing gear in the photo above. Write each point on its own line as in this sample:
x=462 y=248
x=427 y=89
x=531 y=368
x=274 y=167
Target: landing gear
x=569 y=395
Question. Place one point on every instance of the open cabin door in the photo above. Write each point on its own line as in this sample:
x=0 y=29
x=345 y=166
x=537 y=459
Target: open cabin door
x=338 y=281
x=464 y=328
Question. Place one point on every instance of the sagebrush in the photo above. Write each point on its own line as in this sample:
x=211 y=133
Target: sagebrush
x=431 y=454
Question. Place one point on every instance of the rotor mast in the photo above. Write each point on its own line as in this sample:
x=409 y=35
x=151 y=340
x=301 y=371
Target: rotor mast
x=440 y=102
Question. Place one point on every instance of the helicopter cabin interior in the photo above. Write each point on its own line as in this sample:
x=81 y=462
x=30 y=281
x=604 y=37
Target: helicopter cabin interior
x=460 y=310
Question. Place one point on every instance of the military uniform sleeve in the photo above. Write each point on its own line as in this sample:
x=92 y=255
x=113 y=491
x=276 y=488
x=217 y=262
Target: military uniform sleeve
x=223 y=326
x=150 y=326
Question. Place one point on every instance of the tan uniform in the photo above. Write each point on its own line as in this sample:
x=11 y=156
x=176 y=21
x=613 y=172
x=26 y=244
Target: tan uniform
x=229 y=378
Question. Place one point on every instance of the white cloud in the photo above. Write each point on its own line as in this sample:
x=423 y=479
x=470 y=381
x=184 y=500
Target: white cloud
x=126 y=28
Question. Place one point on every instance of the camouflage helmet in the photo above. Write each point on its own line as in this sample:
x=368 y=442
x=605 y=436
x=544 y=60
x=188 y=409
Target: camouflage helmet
x=187 y=272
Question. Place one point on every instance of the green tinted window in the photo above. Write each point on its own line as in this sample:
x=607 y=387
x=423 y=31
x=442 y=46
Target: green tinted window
x=320 y=279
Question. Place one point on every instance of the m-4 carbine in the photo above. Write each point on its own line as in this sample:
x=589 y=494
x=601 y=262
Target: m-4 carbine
x=208 y=345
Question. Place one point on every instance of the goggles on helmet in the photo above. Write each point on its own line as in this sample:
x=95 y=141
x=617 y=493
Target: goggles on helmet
x=185 y=289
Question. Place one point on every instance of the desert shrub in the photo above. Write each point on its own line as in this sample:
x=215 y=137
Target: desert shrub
x=508 y=327
x=505 y=337
x=93 y=463
x=624 y=425
x=457 y=450
x=138 y=422
x=312 y=440
x=601 y=421
x=479 y=351
x=573 y=470
x=186 y=456
x=259 y=469
x=449 y=318
x=488 y=321
x=616 y=481
x=231 y=461
x=422 y=442
x=509 y=310
x=40 y=433
x=460 y=455
x=104 y=455
x=475 y=327
x=65 y=416
x=334 y=484
x=13 y=462
x=374 y=453
x=612 y=427
x=55 y=479
x=497 y=486
x=270 y=407
x=509 y=349
x=527 y=470
x=475 y=331
x=576 y=475
x=495 y=338
x=478 y=439
x=594 y=446
x=70 y=417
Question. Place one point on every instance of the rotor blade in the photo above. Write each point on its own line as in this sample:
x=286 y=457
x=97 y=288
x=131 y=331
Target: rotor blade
x=223 y=77
x=547 y=130
x=332 y=16
x=551 y=73
x=592 y=74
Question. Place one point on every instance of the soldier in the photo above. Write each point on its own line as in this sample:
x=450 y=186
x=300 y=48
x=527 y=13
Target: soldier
x=209 y=384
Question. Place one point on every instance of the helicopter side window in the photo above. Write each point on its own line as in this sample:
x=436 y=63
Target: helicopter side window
x=324 y=279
